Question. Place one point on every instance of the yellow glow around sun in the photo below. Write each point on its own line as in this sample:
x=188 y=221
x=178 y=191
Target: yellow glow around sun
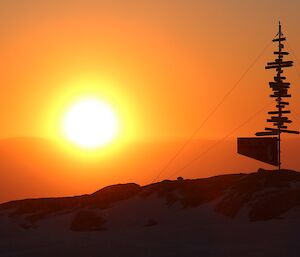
x=77 y=140
x=90 y=123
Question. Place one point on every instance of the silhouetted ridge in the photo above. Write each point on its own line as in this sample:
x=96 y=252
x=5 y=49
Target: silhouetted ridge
x=192 y=192
x=110 y=194
x=36 y=209
x=262 y=195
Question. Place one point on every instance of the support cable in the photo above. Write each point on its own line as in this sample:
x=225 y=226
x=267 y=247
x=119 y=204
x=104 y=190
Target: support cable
x=213 y=111
x=221 y=140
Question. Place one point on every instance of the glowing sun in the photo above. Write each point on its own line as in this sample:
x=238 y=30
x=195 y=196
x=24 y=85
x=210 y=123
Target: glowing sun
x=90 y=123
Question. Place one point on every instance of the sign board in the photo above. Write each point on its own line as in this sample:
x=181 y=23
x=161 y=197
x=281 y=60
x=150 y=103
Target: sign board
x=263 y=149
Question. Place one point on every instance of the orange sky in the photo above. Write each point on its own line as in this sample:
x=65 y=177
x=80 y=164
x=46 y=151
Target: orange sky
x=162 y=64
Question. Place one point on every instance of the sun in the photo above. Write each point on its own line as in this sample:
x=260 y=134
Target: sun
x=90 y=123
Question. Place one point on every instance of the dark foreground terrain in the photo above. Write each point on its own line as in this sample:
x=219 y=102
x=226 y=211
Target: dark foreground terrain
x=253 y=214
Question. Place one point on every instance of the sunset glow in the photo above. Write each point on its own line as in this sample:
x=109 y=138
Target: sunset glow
x=102 y=92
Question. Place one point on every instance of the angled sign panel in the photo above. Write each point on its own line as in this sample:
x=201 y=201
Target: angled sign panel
x=263 y=149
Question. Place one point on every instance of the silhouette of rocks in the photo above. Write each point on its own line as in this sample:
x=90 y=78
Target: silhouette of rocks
x=87 y=220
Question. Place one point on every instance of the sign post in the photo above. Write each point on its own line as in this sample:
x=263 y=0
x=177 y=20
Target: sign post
x=263 y=147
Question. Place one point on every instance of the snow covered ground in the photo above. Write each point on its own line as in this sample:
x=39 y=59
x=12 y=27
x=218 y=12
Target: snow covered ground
x=170 y=218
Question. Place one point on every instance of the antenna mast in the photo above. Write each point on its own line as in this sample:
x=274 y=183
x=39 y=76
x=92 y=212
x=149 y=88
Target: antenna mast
x=280 y=90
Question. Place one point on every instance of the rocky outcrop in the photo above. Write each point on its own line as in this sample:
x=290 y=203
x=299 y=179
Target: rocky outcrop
x=87 y=220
